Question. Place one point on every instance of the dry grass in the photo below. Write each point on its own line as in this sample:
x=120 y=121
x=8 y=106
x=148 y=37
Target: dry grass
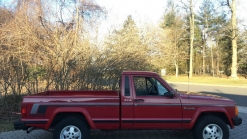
x=6 y=125
x=9 y=108
x=208 y=80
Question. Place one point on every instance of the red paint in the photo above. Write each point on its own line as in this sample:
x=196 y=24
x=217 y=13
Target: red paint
x=109 y=110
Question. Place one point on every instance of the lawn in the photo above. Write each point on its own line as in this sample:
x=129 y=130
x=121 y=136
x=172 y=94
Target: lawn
x=241 y=81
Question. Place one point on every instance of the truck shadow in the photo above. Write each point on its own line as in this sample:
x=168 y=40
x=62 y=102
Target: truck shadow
x=143 y=134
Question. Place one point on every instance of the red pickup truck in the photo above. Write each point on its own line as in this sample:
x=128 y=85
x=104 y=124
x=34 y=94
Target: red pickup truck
x=144 y=101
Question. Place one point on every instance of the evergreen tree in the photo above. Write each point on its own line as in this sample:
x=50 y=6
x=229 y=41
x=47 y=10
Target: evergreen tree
x=125 y=48
x=205 y=19
x=173 y=25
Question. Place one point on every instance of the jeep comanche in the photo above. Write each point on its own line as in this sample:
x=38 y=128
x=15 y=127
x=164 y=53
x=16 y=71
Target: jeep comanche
x=144 y=101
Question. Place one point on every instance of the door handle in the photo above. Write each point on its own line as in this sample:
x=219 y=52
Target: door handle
x=139 y=100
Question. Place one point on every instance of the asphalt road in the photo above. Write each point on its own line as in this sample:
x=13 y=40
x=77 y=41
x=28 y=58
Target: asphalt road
x=238 y=94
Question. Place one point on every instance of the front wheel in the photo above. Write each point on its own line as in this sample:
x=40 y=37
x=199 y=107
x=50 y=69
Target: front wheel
x=211 y=127
x=71 y=128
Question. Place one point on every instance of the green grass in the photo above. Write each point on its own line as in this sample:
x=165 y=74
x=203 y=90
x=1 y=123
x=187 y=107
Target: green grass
x=208 y=80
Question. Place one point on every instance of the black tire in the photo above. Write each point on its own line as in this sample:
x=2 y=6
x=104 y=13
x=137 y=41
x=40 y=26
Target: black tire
x=80 y=127
x=212 y=122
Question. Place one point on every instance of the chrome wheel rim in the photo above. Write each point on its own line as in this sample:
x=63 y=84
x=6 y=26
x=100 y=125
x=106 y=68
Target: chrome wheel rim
x=212 y=131
x=70 y=132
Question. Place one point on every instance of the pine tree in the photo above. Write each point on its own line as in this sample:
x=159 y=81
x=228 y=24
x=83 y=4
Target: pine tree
x=173 y=25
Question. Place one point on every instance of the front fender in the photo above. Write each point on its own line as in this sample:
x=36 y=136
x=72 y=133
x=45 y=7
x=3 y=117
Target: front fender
x=72 y=110
x=209 y=110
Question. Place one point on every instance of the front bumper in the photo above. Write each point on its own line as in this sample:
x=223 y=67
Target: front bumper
x=237 y=120
x=19 y=125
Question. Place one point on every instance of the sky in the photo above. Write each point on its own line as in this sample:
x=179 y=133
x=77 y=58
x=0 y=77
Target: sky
x=145 y=11
x=142 y=11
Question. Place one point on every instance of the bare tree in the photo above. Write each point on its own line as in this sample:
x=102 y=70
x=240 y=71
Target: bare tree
x=189 y=7
x=174 y=28
x=234 y=68
x=191 y=37
x=40 y=45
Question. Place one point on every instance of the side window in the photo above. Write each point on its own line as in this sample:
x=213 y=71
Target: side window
x=141 y=86
x=148 y=86
x=127 y=86
x=161 y=89
x=140 y=83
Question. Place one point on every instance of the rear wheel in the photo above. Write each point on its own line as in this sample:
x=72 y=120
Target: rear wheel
x=211 y=127
x=71 y=128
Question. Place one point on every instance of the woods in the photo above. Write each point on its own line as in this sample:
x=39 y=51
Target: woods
x=53 y=45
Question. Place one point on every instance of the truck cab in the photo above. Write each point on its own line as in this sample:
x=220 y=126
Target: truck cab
x=149 y=102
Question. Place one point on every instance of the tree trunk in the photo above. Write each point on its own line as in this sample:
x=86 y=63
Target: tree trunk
x=176 y=66
x=212 y=57
x=203 y=60
x=218 y=60
x=232 y=6
x=191 y=38
x=203 y=53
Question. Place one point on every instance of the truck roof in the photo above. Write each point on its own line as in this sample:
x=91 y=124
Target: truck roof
x=139 y=73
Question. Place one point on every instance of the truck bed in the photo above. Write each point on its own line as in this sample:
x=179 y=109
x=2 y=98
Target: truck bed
x=98 y=105
x=74 y=96
x=78 y=93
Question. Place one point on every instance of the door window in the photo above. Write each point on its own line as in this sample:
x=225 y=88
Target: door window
x=148 y=86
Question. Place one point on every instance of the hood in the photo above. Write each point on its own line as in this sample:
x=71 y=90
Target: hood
x=195 y=95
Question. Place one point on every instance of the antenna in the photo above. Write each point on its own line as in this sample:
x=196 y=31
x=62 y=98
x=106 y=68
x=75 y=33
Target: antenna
x=188 y=85
x=188 y=82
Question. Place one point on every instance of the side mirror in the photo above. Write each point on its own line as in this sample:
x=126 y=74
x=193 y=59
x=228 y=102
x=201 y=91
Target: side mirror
x=169 y=94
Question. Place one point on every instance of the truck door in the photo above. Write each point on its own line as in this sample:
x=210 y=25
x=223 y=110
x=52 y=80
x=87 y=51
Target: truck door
x=127 y=110
x=152 y=108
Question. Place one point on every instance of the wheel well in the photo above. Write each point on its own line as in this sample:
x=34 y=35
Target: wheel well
x=62 y=115
x=221 y=115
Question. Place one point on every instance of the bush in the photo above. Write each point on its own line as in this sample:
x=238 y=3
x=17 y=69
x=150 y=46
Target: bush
x=9 y=106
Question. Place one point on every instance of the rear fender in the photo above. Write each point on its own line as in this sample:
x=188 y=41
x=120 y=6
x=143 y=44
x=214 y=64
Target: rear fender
x=72 y=110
